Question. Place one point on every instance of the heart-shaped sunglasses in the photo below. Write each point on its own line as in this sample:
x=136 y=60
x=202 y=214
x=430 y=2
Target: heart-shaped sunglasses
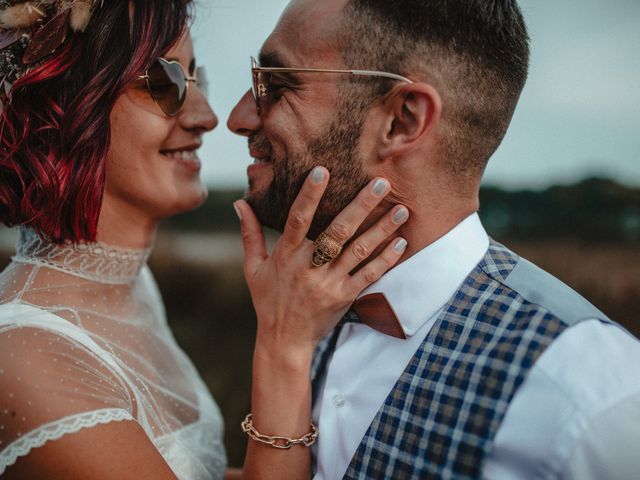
x=168 y=84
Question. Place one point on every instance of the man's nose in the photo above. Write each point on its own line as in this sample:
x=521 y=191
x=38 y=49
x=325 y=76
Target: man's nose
x=244 y=119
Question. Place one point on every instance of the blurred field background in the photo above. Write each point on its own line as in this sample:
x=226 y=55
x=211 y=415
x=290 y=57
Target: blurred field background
x=586 y=234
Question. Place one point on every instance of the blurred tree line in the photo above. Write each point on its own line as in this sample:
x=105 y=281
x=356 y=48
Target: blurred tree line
x=593 y=210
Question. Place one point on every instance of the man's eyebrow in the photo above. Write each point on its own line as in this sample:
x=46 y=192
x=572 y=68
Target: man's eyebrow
x=271 y=59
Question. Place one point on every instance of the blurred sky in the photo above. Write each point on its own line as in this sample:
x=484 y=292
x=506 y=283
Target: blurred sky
x=579 y=114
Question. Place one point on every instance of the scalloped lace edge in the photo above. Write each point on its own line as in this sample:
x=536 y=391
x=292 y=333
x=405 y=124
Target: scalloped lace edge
x=56 y=430
x=93 y=261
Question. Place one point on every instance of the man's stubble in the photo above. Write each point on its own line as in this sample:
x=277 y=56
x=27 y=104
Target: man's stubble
x=337 y=150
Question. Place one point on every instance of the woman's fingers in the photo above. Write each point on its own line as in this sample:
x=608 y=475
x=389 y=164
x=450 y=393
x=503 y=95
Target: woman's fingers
x=362 y=247
x=373 y=270
x=253 y=242
x=349 y=220
x=304 y=207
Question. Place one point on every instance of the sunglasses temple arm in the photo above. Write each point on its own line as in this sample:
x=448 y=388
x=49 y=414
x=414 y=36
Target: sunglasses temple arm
x=373 y=73
x=363 y=73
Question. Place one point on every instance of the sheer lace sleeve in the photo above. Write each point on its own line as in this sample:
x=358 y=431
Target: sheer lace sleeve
x=53 y=381
x=84 y=342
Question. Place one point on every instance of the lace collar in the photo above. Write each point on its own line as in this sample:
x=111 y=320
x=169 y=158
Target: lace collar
x=94 y=261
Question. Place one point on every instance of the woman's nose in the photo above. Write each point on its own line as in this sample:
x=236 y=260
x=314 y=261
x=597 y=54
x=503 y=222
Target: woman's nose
x=197 y=113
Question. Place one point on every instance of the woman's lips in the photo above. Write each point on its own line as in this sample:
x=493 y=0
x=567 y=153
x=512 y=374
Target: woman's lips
x=188 y=158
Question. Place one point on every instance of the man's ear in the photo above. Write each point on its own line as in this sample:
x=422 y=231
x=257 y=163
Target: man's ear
x=413 y=112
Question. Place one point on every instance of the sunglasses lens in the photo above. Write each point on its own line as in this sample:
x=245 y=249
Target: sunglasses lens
x=202 y=81
x=254 y=75
x=167 y=85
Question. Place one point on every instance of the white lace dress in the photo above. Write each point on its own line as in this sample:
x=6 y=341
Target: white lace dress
x=84 y=341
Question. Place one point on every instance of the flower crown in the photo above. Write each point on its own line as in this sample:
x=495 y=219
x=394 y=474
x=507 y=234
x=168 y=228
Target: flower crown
x=34 y=29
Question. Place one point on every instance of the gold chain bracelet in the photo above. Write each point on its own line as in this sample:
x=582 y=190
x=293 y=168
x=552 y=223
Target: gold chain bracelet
x=278 y=442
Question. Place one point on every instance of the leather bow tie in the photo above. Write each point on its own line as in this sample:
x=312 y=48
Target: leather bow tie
x=375 y=311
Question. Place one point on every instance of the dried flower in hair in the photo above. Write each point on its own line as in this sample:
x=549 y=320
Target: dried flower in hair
x=81 y=14
x=47 y=39
x=33 y=29
x=22 y=15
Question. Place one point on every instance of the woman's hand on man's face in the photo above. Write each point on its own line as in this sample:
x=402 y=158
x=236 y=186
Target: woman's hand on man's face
x=297 y=304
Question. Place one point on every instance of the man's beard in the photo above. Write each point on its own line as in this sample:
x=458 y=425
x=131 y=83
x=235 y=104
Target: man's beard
x=335 y=149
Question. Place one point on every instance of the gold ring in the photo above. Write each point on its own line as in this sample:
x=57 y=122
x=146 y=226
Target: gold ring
x=326 y=249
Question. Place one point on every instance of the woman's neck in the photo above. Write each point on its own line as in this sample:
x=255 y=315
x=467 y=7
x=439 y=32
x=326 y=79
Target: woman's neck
x=124 y=225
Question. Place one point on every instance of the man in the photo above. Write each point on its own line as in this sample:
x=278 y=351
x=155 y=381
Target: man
x=481 y=364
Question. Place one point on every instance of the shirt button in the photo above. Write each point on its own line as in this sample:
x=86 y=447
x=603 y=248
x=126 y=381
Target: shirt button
x=338 y=400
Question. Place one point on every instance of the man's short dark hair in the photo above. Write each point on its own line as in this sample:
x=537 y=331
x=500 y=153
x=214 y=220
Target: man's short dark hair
x=474 y=52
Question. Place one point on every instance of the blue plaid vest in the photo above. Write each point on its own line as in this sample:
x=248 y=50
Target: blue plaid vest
x=441 y=417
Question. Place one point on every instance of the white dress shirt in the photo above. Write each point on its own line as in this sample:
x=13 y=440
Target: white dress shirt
x=577 y=414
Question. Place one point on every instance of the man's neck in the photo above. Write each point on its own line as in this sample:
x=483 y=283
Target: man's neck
x=421 y=230
x=426 y=224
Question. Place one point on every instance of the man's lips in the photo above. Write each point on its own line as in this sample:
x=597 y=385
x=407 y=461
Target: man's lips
x=261 y=163
x=260 y=157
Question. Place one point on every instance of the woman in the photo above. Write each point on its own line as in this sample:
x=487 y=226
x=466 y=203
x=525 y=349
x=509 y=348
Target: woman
x=99 y=134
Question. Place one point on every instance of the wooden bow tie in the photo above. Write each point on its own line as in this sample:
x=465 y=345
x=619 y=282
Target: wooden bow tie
x=375 y=311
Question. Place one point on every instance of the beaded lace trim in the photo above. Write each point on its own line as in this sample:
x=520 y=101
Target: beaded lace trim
x=94 y=261
x=56 y=430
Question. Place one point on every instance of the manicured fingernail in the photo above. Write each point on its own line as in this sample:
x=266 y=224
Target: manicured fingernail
x=400 y=245
x=380 y=187
x=317 y=175
x=238 y=212
x=400 y=215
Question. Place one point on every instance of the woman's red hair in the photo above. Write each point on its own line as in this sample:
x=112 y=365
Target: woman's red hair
x=55 y=128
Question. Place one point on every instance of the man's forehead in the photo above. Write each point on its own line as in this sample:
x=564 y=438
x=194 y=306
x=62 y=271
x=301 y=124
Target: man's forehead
x=313 y=12
x=304 y=30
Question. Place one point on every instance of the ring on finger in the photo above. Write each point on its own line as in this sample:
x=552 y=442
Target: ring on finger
x=326 y=249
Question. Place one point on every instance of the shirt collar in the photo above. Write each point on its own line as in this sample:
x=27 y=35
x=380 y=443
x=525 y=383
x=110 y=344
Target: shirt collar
x=421 y=285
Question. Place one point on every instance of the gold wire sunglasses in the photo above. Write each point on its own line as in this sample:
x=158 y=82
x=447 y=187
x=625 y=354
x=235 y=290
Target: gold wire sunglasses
x=168 y=84
x=261 y=82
